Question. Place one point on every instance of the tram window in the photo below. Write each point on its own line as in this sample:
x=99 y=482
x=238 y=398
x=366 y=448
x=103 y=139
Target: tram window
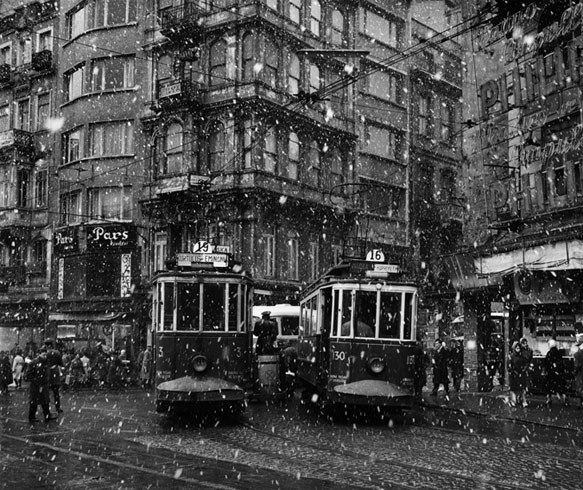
x=326 y=311
x=408 y=316
x=188 y=302
x=213 y=307
x=366 y=314
x=158 y=307
x=233 y=302
x=335 y=314
x=346 y=312
x=390 y=316
x=168 y=306
x=289 y=325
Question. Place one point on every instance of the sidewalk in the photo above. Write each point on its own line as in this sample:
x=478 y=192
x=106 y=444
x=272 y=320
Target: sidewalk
x=495 y=405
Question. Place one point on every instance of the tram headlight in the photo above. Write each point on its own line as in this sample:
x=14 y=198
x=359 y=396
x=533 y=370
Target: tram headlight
x=376 y=365
x=199 y=364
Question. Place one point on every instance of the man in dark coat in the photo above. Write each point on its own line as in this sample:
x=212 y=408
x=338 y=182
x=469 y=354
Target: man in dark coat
x=5 y=372
x=38 y=374
x=578 y=359
x=440 y=362
x=456 y=364
x=266 y=331
x=518 y=375
x=55 y=360
x=420 y=368
x=555 y=373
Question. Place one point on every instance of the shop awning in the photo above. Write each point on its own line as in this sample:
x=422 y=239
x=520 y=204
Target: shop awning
x=84 y=317
x=560 y=256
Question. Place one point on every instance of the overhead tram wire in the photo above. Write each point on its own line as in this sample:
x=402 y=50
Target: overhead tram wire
x=326 y=89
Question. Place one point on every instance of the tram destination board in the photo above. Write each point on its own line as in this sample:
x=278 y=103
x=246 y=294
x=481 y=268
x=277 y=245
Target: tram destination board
x=190 y=259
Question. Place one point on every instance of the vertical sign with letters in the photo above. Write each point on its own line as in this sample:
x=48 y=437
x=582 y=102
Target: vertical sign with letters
x=126 y=275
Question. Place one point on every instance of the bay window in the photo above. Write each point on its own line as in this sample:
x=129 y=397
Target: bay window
x=293 y=156
x=110 y=203
x=74 y=83
x=111 y=139
x=293 y=74
x=73 y=145
x=270 y=150
x=218 y=63
x=112 y=73
x=337 y=28
x=70 y=206
x=99 y=13
x=216 y=147
x=315 y=17
x=171 y=157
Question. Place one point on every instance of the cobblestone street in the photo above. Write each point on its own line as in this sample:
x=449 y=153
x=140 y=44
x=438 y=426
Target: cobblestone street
x=115 y=440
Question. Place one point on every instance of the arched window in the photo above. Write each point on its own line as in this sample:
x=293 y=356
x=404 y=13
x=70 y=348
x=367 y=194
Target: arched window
x=171 y=161
x=271 y=65
x=216 y=147
x=315 y=17
x=337 y=30
x=293 y=154
x=218 y=63
x=293 y=74
x=315 y=81
x=247 y=57
x=313 y=176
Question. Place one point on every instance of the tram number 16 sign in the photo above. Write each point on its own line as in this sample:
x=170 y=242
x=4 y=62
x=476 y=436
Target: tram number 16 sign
x=375 y=255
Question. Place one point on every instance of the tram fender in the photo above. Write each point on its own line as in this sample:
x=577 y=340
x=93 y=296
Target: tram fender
x=206 y=388
x=372 y=388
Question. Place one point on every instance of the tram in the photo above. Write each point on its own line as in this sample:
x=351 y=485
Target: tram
x=357 y=336
x=202 y=335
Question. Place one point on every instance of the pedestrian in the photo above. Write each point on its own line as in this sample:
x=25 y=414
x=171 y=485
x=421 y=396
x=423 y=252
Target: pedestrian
x=578 y=360
x=420 y=369
x=518 y=375
x=266 y=332
x=146 y=370
x=86 y=363
x=55 y=360
x=5 y=373
x=555 y=373
x=456 y=364
x=38 y=374
x=440 y=362
x=18 y=368
x=76 y=372
x=528 y=354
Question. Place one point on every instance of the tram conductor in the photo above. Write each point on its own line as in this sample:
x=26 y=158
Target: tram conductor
x=266 y=332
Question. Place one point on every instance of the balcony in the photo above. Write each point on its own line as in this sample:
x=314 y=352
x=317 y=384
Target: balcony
x=182 y=22
x=5 y=74
x=42 y=61
x=177 y=93
x=12 y=275
x=18 y=140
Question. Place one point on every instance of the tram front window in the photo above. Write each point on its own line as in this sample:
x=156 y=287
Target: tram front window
x=390 y=316
x=408 y=316
x=168 y=307
x=188 y=300
x=365 y=314
x=213 y=307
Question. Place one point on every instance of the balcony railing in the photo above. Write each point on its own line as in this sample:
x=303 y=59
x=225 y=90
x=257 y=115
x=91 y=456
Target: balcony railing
x=182 y=21
x=42 y=60
x=171 y=92
x=17 y=139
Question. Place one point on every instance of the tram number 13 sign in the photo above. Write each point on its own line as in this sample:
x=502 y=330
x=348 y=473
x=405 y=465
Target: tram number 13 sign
x=375 y=255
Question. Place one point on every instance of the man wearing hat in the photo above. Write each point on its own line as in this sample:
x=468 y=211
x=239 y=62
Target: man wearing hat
x=578 y=358
x=266 y=331
x=55 y=362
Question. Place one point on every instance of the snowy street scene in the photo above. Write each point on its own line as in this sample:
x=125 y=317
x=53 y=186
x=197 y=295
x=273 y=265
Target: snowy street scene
x=291 y=243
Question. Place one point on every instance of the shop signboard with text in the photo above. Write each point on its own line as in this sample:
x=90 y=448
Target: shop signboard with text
x=111 y=237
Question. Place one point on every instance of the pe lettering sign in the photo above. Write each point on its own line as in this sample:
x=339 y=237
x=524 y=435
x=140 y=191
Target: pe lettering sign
x=114 y=237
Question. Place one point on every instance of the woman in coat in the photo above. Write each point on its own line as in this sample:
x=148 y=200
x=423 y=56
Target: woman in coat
x=555 y=373
x=518 y=375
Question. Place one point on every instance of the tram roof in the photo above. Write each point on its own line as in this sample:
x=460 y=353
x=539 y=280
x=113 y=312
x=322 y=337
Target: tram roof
x=355 y=270
x=206 y=272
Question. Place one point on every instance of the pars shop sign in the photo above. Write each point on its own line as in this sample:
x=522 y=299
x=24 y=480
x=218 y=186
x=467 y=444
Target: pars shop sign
x=110 y=236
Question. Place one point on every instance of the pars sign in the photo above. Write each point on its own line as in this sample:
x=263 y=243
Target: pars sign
x=110 y=236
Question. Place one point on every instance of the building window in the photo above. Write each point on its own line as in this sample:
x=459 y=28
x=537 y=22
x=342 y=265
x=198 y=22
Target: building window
x=380 y=141
x=337 y=28
x=293 y=74
x=293 y=259
x=111 y=139
x=73 y=145
x=44 y=40
x=270 y=150
x=315 y=17
x=532 y=191
x=315 y=164
x=315 y=80
x=385 y=85
x=40 y=188
x=112 y=73
x=99 y=13
x=218 y=63
x=446 y=122
x=23 y=188
x=380 y=28
x=560 y=177
x=248 y=57
x=160 y=247
x=272 y=4
x=110 y=203
x=336 y=170
x=314 y=261
x=448 y=185
x=383 y=199
x=71 y=207
x=38 y=253
x=22 y=115
x=74 y=83
x=269 y=257
x=6 y=54
x=271 y=66
x=293 y=156
x=5 y=188
x=23 y=51
x=336 y=254
x=4 y=118
x=172 y=150
x=43 y=110
x=423 y=118
x=216 y=147
x=246 y=142
x=295 y=11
